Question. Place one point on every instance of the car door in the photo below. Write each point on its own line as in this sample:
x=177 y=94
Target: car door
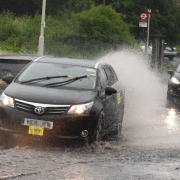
x=103 y=83
x=118 y=98
x=111 y=100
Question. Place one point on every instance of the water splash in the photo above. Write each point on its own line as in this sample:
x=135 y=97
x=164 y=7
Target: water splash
x=145 y=102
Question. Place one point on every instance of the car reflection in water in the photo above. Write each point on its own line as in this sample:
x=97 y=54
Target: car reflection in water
x=171 y=120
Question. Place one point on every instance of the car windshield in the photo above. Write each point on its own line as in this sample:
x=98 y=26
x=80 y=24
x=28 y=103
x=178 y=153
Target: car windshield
x=57 y=75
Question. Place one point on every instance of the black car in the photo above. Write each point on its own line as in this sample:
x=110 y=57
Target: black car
x=173 y=92
x=64 y=98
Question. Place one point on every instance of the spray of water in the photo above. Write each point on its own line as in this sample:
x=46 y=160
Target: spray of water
x=145 y=99
x=144 y=89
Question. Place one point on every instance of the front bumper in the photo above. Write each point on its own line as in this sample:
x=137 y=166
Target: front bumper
x=64 y=126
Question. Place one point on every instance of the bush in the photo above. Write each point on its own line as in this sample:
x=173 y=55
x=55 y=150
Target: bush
x=101 y=28
x=85 y=34
x=19 y=34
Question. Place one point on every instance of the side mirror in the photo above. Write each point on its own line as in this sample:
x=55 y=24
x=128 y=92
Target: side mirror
x=170 y=72
x=8 y=78
x=109 y=91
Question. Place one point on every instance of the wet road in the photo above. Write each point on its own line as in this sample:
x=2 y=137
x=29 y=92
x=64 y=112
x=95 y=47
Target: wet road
x=148 y=149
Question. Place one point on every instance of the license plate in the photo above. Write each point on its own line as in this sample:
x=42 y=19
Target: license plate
x=38 y=123
x=36 y=131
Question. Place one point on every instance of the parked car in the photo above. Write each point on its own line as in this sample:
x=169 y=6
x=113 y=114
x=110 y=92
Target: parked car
x=173 y=92
x=64 y=98
x=168 y=52
x=10 y=65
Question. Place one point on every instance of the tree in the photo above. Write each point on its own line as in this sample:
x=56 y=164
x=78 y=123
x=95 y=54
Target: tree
x=165 y=13
x=54 y=7
x=165 y=17
x=101 y=27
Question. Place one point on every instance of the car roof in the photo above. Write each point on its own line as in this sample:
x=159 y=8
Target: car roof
x=11 y=58
x=69 y=61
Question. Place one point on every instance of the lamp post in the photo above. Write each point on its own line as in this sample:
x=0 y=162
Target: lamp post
x=41 y=37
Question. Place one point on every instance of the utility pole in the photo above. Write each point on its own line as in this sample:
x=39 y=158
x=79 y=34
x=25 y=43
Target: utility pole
x=148 y=28
x=41 y=37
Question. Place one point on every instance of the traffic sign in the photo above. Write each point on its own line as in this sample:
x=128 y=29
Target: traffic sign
x=143 y=24
x=144 y=17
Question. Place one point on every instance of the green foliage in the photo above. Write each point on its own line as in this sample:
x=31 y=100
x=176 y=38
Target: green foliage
x=81 y=27
x=165 y=18
x=54 y=7
x=101 y=28
x=165 y=13
x=18 y=34
x=167 y=65
x=86 y=34
x=58 y=32
x=102 y=23
x=178 y=48
x=21 y=7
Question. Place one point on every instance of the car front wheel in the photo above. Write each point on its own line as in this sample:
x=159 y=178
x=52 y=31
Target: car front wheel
x=96 y=134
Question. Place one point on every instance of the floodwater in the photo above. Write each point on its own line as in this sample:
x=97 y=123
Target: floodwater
x=149 y=147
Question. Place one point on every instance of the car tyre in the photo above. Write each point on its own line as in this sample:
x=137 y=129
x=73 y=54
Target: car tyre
x=96 y=134
x=117 y=126
x=169 y=102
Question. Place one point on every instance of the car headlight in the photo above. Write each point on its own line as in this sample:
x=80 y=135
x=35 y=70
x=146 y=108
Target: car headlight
x=6 y=100
x=80 y=108
x=174 y=80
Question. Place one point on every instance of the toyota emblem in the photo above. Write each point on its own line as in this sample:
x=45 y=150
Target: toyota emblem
x=39 y=110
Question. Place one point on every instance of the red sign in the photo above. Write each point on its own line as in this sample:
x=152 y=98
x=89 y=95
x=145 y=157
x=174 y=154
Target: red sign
x=144 y=17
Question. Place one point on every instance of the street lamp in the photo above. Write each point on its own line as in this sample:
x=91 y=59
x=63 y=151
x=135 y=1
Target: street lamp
x=41 y=37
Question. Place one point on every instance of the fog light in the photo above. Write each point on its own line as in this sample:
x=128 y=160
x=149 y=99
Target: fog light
x=84 y=133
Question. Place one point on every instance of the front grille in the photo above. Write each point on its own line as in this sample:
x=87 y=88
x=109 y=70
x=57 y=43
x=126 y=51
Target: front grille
x=24 y=106
x=49 y=109
x=57 y=110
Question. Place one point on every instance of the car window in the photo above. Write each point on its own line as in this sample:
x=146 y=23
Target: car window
x=40 y=70
x=114 y=76
x=111 y=76
x=103 y=78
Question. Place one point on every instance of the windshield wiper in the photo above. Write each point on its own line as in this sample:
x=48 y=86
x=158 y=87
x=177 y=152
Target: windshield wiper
x=42 y=79
x=65 y=82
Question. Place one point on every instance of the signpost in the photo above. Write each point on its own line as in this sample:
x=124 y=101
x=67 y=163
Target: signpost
x=144 y=22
